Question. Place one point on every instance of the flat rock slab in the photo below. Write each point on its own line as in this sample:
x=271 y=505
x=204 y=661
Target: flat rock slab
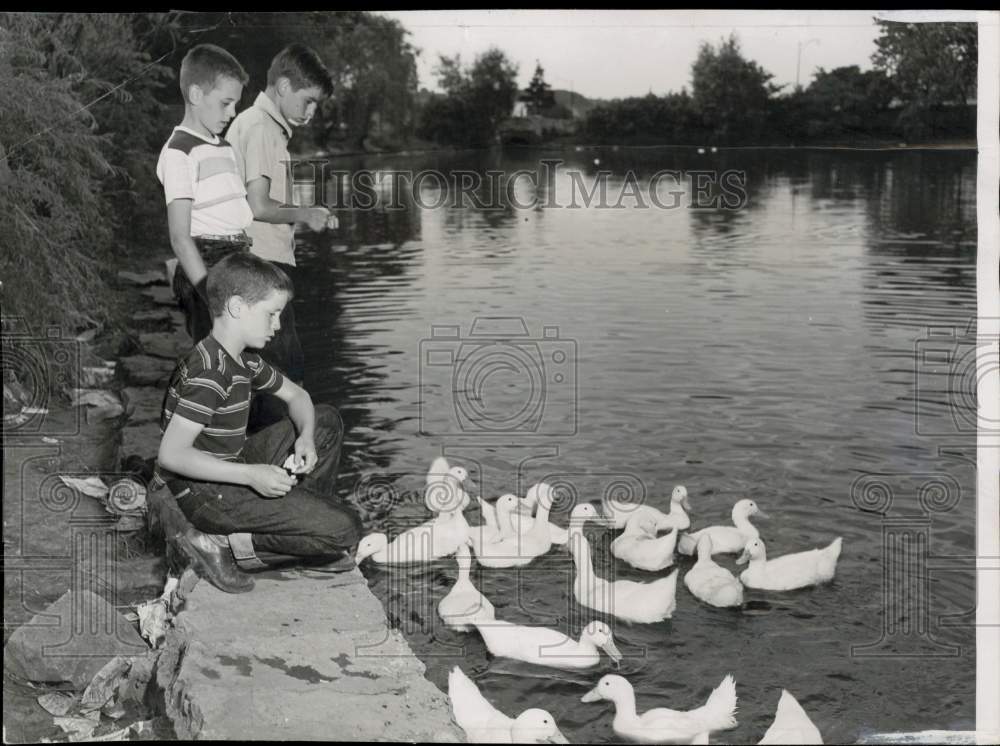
x=144 y=402
x=146 y=370
x=141 y=440
x=143 y=278
x=161 y=294
x=160 y=314
x=304 y=655
x=70 y=641
x=165 y=344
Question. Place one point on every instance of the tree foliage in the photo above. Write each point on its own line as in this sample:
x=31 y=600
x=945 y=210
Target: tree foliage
x=930 y=63
x=539 y=94
x=78 y=113
x=730 y=92
x=475 y=101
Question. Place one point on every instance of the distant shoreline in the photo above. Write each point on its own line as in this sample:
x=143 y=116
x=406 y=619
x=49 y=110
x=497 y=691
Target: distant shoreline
x=424 y=148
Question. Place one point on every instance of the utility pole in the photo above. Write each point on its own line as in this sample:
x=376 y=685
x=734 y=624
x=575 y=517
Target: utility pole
x=798 y=59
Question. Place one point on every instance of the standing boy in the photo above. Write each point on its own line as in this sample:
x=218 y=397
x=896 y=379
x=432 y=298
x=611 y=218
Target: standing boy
x=235 y=491
x=296 y=81
x=207 y=209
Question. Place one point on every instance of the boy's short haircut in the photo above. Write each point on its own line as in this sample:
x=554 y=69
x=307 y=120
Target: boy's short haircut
x=204 y=64
x=303 y=68
x=247 y=276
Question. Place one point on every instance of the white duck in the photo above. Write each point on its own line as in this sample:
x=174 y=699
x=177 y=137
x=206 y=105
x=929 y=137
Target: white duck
x=497 y=526
x=444 y=490
x=484 y=723
x=491 y=529
x=726 y=539
x=710 y=582
x=521 y=549
x=548 y=647
x=521 y=522
x=791 y=724
x=640 y=546
x=790 y=571
x=464 y=603
x=620 y=512
x=431 y=540
x=625 y=599
x=661 y=725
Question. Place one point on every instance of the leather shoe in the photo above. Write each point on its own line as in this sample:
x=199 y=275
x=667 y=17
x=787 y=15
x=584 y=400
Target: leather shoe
x=217 y=565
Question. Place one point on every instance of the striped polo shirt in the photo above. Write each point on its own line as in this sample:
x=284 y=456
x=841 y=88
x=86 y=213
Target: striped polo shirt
x=205 y=171
x=211 y=388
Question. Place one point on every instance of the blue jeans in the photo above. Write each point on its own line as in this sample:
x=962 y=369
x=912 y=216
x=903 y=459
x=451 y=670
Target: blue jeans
x=308 y=521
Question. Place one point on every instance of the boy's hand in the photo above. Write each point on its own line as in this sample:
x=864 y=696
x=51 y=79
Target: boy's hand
x=269 y=480
x=305 y=454
x=317 y=217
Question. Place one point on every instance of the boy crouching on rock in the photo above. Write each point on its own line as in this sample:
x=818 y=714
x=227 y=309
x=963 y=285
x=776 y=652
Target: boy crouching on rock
x=248 y=511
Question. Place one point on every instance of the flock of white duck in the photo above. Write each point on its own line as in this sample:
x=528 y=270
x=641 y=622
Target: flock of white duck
x=517 y=530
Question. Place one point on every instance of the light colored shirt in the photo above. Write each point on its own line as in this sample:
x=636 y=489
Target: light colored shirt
x=259 y=136
x=203 y=170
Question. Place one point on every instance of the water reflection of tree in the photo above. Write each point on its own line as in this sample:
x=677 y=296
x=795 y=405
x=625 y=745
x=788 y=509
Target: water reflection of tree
x=341 y=370
x=921 y=212
x=928 y=195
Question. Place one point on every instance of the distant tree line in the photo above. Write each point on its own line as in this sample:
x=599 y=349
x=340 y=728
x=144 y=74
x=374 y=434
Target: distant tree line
x=923 y=76
x=86 y=101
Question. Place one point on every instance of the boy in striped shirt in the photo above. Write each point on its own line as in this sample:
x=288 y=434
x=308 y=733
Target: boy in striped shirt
x=207 y=208
x=247 y=510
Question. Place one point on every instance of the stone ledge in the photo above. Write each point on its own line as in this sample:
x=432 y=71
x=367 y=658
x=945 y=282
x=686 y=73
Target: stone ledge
x=304 y=655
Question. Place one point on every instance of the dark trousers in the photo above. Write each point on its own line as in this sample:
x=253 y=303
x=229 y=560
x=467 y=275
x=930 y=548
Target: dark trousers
x=284 y=351
x=194 y=300
x=307 y=522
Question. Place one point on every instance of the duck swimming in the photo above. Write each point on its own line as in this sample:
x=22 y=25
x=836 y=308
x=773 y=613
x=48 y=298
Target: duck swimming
x=711 y=583
x=484 y=723
x=443 y=487
x=640 y=546
x=726 y=539
x=521 y=549
x=625 y=599
x=662 y=725
x=439 y=537
x=521 y=522
x=791 y=724
x=620 y=512
x=549 y=647
x=464 y=603
x=790 y=571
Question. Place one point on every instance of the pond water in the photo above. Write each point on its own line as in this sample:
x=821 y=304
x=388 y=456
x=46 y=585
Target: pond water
x=786 y=343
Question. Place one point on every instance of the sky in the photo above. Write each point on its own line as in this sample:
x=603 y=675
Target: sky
x=613 y=54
